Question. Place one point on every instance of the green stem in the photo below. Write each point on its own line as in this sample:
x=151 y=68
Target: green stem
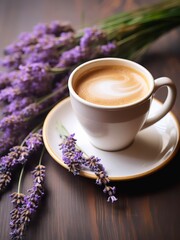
x=160 y=10
x=41 y=156
x=46 y=98
x=58 y=70
x=20 y=178
x=60 y=90
x=22 y=170
x=143 y=32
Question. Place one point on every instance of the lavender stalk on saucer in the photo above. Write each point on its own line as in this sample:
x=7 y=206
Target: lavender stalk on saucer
x=75 y=159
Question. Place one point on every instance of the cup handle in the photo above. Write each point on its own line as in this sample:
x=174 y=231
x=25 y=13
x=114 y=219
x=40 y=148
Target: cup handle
x=169 y=102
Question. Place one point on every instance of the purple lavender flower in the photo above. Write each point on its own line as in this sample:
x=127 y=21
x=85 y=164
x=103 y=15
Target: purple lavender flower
x=92 y=36
x=31 y=80
x=46 y=42
x=47 y=57
x=35 y=79
x=12 y=61
x=66 y=39
x=71 y=156
x=41 y=29
x=26 y=205
x=58 y=28
x=46 y=48
x=110 y=191
x=10 y=93
x=107 y=49
x=11 y=49
x=19 y=120
x=5 y=179
x=102 y=177
x=18 y=155
x=36 y=108
x=30 y=111
x=17 y=105
x=93 y=163
x=93 y=44
x=54 y=27
x=4 y=80
x=34 y=141
x=25 y=39
x=49 y=42
x=18 y=200
x=7 y=141
x=71 y=57
x=75 y=159
x=12 y=122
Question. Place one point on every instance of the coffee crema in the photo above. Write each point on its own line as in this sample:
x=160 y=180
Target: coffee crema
x=112 y=86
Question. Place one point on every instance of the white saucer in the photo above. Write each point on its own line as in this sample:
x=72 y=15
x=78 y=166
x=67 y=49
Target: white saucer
x=152 y=149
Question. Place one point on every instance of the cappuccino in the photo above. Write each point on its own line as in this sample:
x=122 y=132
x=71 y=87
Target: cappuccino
x=112 y=86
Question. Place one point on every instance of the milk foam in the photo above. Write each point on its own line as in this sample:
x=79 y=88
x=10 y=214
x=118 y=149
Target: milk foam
x=112 y=86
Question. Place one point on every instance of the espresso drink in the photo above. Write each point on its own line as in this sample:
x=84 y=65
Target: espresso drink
x=112 y=86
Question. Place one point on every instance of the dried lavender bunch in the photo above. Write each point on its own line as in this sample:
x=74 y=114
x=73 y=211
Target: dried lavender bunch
x=18 y=155
x=25 y=206
x=75 y=159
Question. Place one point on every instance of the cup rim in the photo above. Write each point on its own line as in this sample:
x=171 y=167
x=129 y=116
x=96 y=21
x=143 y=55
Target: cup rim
x=127 y=62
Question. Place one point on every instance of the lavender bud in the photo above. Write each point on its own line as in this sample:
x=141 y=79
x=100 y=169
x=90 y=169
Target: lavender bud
x=34 y=141
x=5 y=179
x=92 y=36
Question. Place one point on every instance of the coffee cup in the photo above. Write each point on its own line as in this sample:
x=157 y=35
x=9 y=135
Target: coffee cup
x=112 y=97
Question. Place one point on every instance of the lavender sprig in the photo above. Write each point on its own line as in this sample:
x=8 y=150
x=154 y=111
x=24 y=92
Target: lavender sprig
x=18 y=155
x=24 y=210
x=71 y=156
x=25 y=206
x=75 y=159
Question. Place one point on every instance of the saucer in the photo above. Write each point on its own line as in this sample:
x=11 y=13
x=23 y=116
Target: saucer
x=152 y=149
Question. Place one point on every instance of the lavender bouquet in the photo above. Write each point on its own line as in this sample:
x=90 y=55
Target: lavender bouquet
x=36 y=68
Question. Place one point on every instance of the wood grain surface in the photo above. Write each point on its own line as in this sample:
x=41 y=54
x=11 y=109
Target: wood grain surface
x=74 y=207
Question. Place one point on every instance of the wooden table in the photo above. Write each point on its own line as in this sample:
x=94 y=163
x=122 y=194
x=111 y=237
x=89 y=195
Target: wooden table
x=74 y=207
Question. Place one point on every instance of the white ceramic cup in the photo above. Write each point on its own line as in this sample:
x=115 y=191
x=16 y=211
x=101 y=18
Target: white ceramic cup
x=113 y=128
